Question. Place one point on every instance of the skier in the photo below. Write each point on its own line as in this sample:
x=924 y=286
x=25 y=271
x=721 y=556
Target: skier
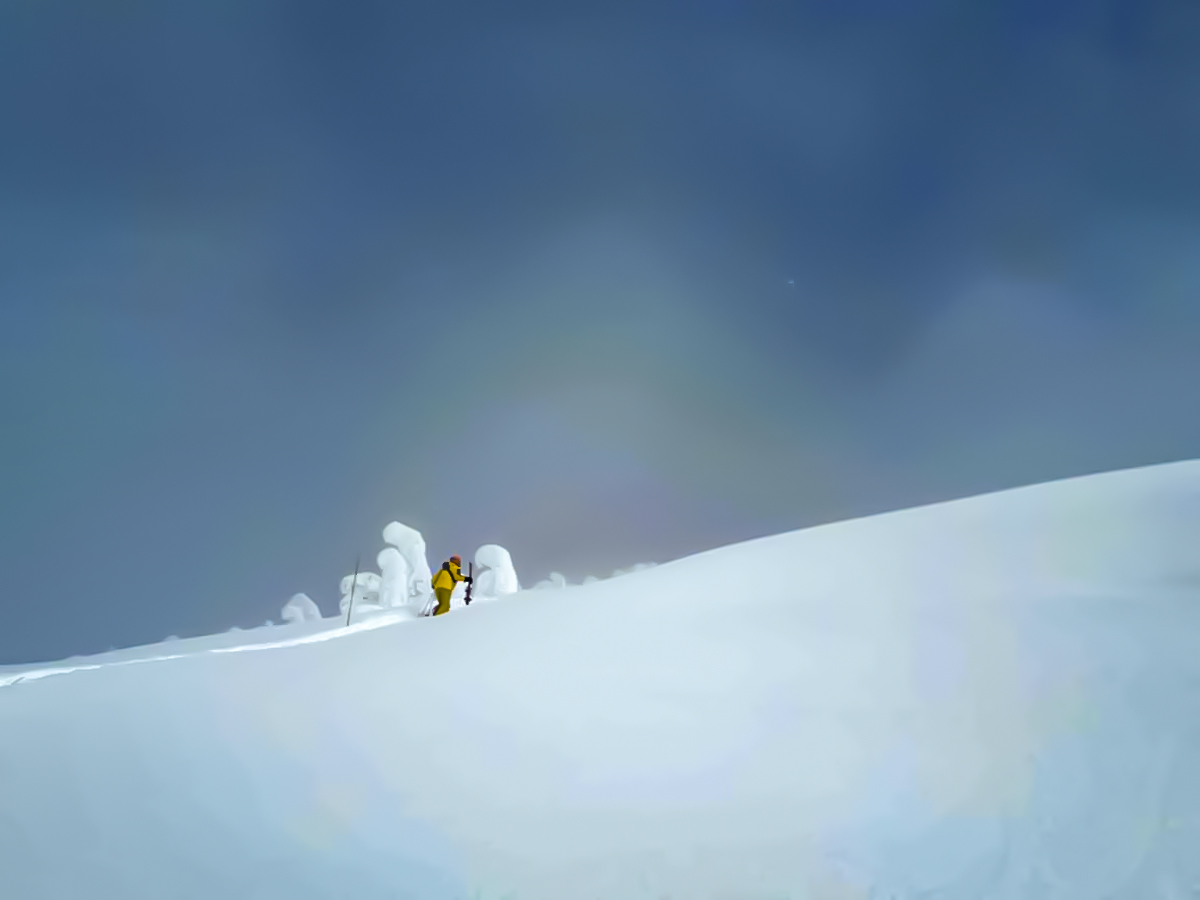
x=444 y=581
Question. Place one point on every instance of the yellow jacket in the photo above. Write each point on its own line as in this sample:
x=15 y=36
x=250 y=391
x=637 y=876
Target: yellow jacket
x=448 y=576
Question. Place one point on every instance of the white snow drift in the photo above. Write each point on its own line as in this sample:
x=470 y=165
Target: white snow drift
x=553 y=582
x=994 y=698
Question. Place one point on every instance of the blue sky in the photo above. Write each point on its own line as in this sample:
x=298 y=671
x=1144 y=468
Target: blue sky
x=601 y=282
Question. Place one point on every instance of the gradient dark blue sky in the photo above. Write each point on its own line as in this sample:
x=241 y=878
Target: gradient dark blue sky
x=602 y=282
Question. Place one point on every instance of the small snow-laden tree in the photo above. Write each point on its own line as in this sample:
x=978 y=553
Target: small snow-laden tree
x=555 y=581
x=494 y=573
x=300 y=608
x=394 y=578
x=411 y=545
x=366 y=593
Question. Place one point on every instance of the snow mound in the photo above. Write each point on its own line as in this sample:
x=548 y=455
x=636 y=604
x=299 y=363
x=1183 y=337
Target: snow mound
x=637 y=567
x=994 y=697
x=553 y=582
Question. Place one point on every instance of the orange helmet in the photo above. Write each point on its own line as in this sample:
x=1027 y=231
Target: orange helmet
x=456 y=559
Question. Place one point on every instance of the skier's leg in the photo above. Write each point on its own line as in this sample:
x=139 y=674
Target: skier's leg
x=443 y=600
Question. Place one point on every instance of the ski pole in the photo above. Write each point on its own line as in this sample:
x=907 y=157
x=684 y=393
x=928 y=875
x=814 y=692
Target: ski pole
x=353 y=590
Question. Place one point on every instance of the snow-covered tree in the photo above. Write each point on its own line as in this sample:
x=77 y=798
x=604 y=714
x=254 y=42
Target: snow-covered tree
x=494 y=573
x=300 y=608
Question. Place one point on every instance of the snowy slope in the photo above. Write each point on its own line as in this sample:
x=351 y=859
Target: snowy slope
x=997 y=697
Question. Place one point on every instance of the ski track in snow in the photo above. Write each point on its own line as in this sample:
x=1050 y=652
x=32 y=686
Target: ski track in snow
x=369 y=625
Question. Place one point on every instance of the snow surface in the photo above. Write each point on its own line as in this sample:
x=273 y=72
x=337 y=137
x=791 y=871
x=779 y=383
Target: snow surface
x=997 y=697
x=553 y=582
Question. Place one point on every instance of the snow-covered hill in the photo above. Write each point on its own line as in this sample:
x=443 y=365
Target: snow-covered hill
x=996 y=697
